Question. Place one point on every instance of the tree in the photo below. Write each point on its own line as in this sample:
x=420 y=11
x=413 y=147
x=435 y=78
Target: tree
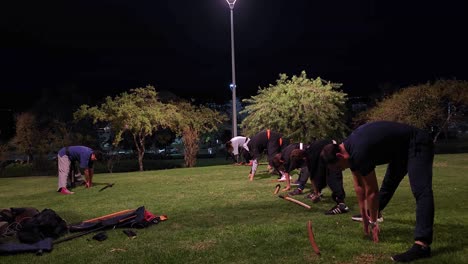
x=192 y=123
x=39 y=139
x=300 y=108
x=162 y=138
x=139 y=113
x=423 y=106
x=3 y=157
x=27 y=136
x=3 y=152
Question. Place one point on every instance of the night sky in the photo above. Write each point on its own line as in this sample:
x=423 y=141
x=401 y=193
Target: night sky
x=105 y=47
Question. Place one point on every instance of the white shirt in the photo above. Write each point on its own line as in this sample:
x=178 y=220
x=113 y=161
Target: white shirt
x=236 y=143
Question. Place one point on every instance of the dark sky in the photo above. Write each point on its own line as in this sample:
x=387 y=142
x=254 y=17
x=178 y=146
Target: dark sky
x=105 y=47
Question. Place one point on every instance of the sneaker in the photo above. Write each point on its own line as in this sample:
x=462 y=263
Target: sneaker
x=314 y=197
x=65 y=191
x=295 y=192
x=282 y=179
x=340 y=208
x=414 y=253
x=358 y=218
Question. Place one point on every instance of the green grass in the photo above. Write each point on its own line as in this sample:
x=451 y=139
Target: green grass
x=217 y=216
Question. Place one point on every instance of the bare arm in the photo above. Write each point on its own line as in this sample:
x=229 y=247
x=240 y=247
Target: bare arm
x=89 y=172
x=367 y=191
x=288 y=181
x=360 y=189
x=372 y=195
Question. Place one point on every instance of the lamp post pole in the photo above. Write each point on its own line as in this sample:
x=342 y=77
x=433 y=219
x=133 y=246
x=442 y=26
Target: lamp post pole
x=233 y=68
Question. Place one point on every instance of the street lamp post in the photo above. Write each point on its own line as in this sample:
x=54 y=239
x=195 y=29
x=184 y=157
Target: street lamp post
x=233 y=68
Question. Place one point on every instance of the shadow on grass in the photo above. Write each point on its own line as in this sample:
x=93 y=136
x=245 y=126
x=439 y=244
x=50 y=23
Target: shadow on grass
x=265 y=175
x=401 y=231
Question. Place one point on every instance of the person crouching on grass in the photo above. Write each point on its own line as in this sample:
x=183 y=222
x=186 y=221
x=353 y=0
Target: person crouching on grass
x=282 y=161
x=267 y=140
x=234 y=147
x=67 y=156
x=311 y=164
x=406 y=150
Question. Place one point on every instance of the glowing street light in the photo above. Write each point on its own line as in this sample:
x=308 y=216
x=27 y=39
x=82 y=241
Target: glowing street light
x=233 y=67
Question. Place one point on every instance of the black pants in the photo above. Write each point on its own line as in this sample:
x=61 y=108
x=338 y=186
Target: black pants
x=322 y=177
x=418 y=166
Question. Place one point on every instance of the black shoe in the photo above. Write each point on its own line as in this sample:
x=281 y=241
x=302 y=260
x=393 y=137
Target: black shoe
x=340 y=208
x=414 y=253
x=79 y=182
x=315 y=198
x=358 y=218
x=295 y=192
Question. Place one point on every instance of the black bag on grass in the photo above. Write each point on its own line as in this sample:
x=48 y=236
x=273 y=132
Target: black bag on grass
x=16 y=248
x=43 y=225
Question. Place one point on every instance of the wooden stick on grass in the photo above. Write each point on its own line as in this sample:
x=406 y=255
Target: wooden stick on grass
x=312 y=239
x=294 y=201
x=277 y=188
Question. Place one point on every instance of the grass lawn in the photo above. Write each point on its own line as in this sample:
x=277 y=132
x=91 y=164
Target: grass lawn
x=217 y=216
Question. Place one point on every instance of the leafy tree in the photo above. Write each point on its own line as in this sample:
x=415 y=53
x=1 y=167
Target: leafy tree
x=3 y=152
x=56 y=134
x=27 y=136
x=193 y=121
x=423 y=106
x=39 y=139
x=162 y=138
x=3 y=157
x=139 y=113
x=300 y=108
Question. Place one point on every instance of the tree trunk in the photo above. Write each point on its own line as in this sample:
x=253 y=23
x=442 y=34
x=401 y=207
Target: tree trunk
x=110 y=165
x=443 y=127
x=140 y=159
x=140 y=146
x=190 y=139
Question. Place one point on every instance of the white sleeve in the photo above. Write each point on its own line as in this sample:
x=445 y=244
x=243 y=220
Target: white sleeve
x=254 y=166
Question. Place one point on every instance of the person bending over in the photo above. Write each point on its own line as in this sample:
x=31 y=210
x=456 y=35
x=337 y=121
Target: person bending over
x=267 y=140
x=235 y=146
x=67 y=156
x=406 y=150
x=313 y=167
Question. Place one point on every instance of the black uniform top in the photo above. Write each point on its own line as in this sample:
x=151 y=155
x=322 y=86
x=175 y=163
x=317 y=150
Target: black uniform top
x=313 y=154
x=286 y=156
x=271 y=141
x=378 y=143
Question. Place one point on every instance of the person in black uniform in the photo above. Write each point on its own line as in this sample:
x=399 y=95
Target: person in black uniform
x=282 y=161
x=313 y=167
x=267 y=140
x=406 y=150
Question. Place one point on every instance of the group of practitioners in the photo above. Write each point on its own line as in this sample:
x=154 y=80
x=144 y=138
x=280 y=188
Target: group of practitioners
x=283 y=158
x=406 y=150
